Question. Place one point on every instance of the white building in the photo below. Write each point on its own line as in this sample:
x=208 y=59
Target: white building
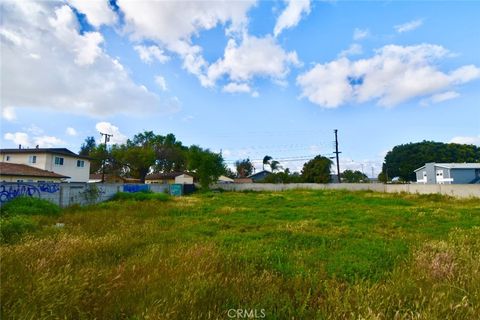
x=58 y=160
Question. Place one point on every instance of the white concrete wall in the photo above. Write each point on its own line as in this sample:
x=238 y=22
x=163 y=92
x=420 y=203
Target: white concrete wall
x=455 y=190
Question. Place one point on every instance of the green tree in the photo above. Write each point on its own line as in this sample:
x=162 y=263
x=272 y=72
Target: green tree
x=266 y=160
x=244 y=168
x=88 y=146
x=206 y=164
x=317 y=170
x=275 y=166
x=403 y=159
x=353 y=176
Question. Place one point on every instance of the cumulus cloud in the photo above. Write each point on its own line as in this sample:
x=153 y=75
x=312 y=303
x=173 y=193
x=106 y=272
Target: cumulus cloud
x=393 y=75
x=97 y=12
x=475 y=140
x=67 y=70
x=409 y=26
x=253 y=57
x=354 y=49
x=233 y=87
x=359 y=34
x=440 y=97
x=292 y=14
x=172 y=24
x=26 y=141
x=108 y=128
x=71 y=131
x=148 y=53
x=162 y=84
x=8 y=113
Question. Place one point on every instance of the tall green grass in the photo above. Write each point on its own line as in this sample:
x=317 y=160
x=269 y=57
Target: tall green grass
x=296 y=254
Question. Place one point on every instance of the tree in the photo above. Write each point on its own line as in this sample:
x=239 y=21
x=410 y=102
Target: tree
x=137 y=155
x=403 y=159
x=244 y=168
x=88 y=146
x=266 y=160
x=206 y=164
x=283 y=177
x=275 y=166
x=317 y=170
x=353 y=176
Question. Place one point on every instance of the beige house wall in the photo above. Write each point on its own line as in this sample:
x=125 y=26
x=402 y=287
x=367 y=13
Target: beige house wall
x=46 y=161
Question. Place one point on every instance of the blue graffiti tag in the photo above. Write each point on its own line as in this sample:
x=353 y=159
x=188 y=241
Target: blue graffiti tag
x=135 y=187
x=8 y=192
x=49 y=187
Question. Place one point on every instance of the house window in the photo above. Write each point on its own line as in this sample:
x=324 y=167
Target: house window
x=80 y=163
x=7 y=158
x=19 y=180
x=58 y=161
x=32 y=159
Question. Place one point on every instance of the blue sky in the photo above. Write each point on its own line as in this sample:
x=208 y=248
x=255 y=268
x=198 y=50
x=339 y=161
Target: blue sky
x=248 y=78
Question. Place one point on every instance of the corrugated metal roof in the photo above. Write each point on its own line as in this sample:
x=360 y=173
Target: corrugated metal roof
x=452 y=165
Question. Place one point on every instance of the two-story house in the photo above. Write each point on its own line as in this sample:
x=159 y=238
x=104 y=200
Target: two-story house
x=59 y=160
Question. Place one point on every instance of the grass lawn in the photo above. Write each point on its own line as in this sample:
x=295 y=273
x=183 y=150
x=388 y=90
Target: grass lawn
x=289 y=255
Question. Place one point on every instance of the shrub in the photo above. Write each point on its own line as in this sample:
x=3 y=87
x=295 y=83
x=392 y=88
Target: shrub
x=140 y=196
x=29 y=206
x=12 y=228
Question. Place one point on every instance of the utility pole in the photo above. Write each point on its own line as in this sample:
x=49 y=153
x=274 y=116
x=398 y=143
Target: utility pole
x=336 y=153
x=373 y=175
x=107 y=139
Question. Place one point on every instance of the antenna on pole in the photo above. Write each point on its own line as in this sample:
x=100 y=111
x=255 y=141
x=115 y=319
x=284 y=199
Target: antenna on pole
x=336 y=154
x=107 y=139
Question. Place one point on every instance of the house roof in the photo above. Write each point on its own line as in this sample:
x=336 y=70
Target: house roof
x=15 y=169
x=453 y=165
x=260 y=173
x=61 y=151
x=165 y=175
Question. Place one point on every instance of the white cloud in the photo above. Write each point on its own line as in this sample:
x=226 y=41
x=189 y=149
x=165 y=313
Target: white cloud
x=72 y=72
x=18 y=138
x=161 y=83
x=409 y=26
x=42 y=141
x=440 y=97
x=359 y=34
x=148 y=53
x=354 y=49
x=8 y=113
x=393 y=75
x=108 y=128
x=291 y=16
x=97 y=12
x=253 y=57
x=48 y=141
x=466 y=140
x=71 y=131
x=171 y=24
x=233 y=87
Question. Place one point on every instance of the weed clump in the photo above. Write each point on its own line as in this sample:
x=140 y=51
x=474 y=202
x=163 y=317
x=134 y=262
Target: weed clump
x=29 y=206
x=140 y=196
x=11 y=229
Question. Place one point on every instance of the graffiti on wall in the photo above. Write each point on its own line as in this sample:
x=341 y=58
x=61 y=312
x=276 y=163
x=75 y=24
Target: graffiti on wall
x=135 y=187
x=10 y=191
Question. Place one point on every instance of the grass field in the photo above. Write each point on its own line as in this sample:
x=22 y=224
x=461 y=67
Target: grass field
x=288 y=255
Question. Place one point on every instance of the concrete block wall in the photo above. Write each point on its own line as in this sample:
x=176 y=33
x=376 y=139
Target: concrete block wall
x=66 y=194
x=455 y=190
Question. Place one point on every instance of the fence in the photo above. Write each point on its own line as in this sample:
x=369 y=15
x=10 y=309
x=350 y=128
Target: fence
x=455 y=190
x=66 y=194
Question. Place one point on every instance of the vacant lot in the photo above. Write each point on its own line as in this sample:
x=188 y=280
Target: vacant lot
x=289 y=255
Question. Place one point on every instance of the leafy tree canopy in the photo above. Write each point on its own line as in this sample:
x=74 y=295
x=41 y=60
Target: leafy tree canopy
x=317 y=170
x=244 y=168
x=403 y=159
x=353 y=176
